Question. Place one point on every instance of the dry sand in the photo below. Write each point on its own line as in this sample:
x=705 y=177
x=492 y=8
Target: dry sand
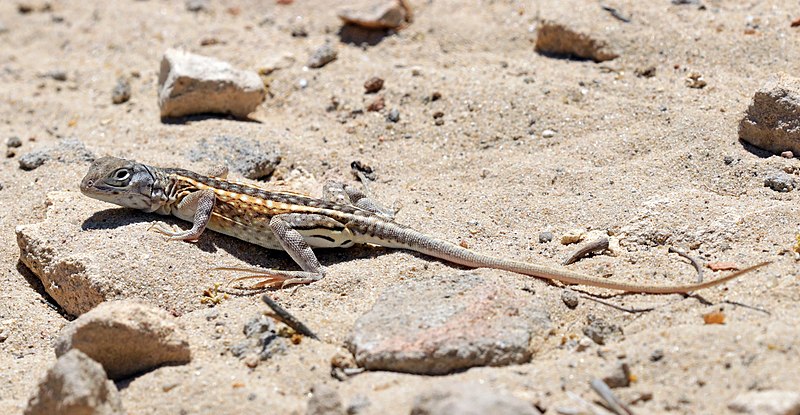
x=643 y=158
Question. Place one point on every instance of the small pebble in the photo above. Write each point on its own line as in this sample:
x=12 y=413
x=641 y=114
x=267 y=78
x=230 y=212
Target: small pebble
x=600 y=330
x=196 y=5
x=696 y=81
x=779 y=181
x=376 y=105
x=57 y=74
x=121 y=92
x=13 y=141
x=787 y=155
x=393 y=115
x=570 y=298
x=657 y=355
x=584 y=343
x=548 y=133
x=545 y=237
x=299 y=30
x=324 y=55
x=620 y=376
x=439 y=121
x=573 y=236
x=373 y=85
x=728 y=160
x=302 y=83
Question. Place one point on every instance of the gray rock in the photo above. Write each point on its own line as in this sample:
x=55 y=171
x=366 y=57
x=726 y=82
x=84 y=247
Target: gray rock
x=13 y=142
x=576 y=29
x=262 y=340
x=121 y=92
x=324 y=55
x=443 y=324
x=393 y=115
x=75 y=385
x=252 y=159
x=545 y=237
x=771 y=402
x=772 y=121
x=193 y=84
x=469 y=399
x=67 y=151
x=570 y=298
x=780 y=181
x=127 y=338
x=33 y=160
x=601 y=331
x=324 y=401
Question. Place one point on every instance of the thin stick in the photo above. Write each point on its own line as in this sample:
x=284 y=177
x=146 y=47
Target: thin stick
x=619 y=307
x=697 y=265
x=288 y=319
x=614 y=404
x=598 y=245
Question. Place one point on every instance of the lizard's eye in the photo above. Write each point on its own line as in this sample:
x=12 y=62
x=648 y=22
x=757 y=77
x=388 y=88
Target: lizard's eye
x=121 y=175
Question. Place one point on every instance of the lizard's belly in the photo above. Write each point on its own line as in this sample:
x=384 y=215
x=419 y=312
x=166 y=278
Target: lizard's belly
x=258 y=232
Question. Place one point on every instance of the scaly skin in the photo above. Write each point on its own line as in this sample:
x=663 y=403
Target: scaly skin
x=295 y=223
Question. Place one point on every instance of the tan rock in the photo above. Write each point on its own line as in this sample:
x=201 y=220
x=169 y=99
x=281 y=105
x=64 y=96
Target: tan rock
x=772 y=121
x=193 y=84
x=127 y=338
x=381 y=15
x=75 y=385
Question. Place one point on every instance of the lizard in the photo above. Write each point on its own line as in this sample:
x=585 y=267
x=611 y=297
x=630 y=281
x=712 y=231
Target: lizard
x=296 y=223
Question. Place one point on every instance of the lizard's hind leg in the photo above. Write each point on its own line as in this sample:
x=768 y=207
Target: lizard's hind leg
x=344 y=193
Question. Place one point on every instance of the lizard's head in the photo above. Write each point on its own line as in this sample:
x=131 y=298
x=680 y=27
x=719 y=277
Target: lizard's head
x=122 y=182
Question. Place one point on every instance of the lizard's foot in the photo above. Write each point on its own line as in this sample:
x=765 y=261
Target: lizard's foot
x=272 y=278
x=173 y=232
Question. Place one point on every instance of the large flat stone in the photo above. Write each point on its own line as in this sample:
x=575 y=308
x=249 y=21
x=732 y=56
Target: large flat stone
x=443 y=324
x=86 y=252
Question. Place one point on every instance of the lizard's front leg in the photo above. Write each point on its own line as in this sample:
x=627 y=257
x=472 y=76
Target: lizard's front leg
x=202 y=203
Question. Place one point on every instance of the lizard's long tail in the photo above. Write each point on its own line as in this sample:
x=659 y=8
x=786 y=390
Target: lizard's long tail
x=393 y=235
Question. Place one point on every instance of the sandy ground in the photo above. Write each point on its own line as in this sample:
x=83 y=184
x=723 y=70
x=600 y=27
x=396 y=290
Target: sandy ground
x=640 y=157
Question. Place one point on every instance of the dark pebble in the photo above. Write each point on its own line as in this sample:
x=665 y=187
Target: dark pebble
x=373 y=85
